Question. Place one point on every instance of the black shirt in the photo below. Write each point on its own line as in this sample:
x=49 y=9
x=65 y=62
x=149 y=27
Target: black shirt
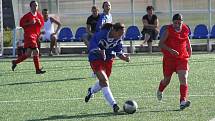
x=92 y=21
x=150 y=21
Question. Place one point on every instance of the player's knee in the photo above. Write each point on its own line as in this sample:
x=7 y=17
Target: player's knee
x=103 y=83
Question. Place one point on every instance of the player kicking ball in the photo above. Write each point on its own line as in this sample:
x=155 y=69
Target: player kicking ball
x=176 y=49
x=101 y=49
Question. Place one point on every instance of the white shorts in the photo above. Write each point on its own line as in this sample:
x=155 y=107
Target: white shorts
x=46 y=37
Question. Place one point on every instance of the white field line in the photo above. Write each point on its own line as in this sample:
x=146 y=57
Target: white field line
x=212 y=119
x=97 y=98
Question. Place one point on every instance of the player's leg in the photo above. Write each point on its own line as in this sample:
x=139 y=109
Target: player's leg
x=182 y=71
x=104 y=83
x=182 y=75
x=36 y=60
x=168 y=69
x=53 y=43
x=149 y=46
x=146 y=38
x=21 y=58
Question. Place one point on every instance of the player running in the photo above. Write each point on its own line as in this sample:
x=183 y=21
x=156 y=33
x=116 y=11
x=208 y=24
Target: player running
x=32 y=22
x=101 y=48
x=176 y=48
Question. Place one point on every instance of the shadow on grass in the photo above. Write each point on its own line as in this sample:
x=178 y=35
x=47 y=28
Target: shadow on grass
x=157 y=111
x=109 y=114
x=80 y=116
x=36 y=82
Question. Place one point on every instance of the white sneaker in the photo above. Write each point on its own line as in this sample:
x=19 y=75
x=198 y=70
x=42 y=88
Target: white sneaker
x=159 y=95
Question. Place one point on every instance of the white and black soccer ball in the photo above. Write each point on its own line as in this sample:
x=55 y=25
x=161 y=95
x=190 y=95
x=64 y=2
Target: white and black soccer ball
x=130 y=106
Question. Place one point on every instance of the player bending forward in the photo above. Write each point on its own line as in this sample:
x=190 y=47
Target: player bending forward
x=101 y=49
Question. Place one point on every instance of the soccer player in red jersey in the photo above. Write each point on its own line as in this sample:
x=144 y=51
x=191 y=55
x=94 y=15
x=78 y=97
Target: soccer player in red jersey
x=176 y=49
x=32 y=22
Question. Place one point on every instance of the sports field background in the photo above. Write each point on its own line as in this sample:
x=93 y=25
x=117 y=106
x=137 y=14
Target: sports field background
x=73 y=13
x=59 y=93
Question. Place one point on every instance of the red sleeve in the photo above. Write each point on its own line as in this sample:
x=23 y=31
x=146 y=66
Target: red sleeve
x=41 y=19
x=23 y=20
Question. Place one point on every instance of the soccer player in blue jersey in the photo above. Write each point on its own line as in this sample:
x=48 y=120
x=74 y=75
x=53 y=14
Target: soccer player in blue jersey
x=105 y=17
x=101 y=48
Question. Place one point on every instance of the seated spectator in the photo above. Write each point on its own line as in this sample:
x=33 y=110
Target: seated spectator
x=49 y=33
x=150 y=27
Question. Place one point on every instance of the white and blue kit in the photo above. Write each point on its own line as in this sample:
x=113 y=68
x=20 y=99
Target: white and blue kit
x=104 y=18
x=101 y=41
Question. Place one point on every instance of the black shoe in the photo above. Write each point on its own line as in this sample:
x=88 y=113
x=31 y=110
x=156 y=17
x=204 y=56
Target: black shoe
x=40 y=71
x=89 y=95
x=185 y=105
x=115 y=108
x=13 y=65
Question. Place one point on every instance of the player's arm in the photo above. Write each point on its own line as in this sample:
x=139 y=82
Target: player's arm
x=119 y=53
x=163 y=45
x=89 y=29
x=57 y=23
x=124 y=57
x=150 y=26
x=26 y=21
x=189 y=48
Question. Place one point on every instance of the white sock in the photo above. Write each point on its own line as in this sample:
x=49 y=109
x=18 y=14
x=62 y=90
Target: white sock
x=108 y=96
x=95 y=88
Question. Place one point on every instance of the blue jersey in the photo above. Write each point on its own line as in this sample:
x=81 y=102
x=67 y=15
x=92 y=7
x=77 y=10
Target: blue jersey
x=104 y=18
x=101 y=41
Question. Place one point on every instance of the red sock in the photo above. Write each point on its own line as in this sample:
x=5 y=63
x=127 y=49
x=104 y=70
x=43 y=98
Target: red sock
x=21 y=58
x=36 y=62
x=162 y=87
x=183 y=92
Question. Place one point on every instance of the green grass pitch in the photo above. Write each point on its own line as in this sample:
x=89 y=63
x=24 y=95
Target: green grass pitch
x=59 y=93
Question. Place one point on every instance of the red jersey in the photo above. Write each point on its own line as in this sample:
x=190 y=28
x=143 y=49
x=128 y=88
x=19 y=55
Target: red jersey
x=177 y=41
x=31 y=32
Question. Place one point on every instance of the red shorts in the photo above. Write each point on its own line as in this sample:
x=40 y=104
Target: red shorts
x=171 y=65
x=31 y=42
x=100 y=65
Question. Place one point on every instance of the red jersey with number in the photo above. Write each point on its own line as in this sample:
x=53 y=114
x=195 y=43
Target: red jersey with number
x=31 y=32
x=177 y=41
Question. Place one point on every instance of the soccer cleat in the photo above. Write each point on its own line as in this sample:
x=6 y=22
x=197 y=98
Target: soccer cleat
x=115 y=108
x=13 y=65
x=159 y=95
x=40 y=71
x=89 y=95
x=184 y=104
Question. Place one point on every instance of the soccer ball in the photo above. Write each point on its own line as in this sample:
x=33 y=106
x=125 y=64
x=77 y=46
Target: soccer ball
x=130 y=106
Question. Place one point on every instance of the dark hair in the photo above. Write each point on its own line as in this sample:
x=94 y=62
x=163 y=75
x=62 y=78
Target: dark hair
x=45 y=10
x=117 y=26
x=104 y=3
x=107 y=26
x=149 y=8
x=33 y=1
x=177 y=16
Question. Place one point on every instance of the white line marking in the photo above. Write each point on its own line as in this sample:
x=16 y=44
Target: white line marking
x=97 y=98
x=212 y=119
